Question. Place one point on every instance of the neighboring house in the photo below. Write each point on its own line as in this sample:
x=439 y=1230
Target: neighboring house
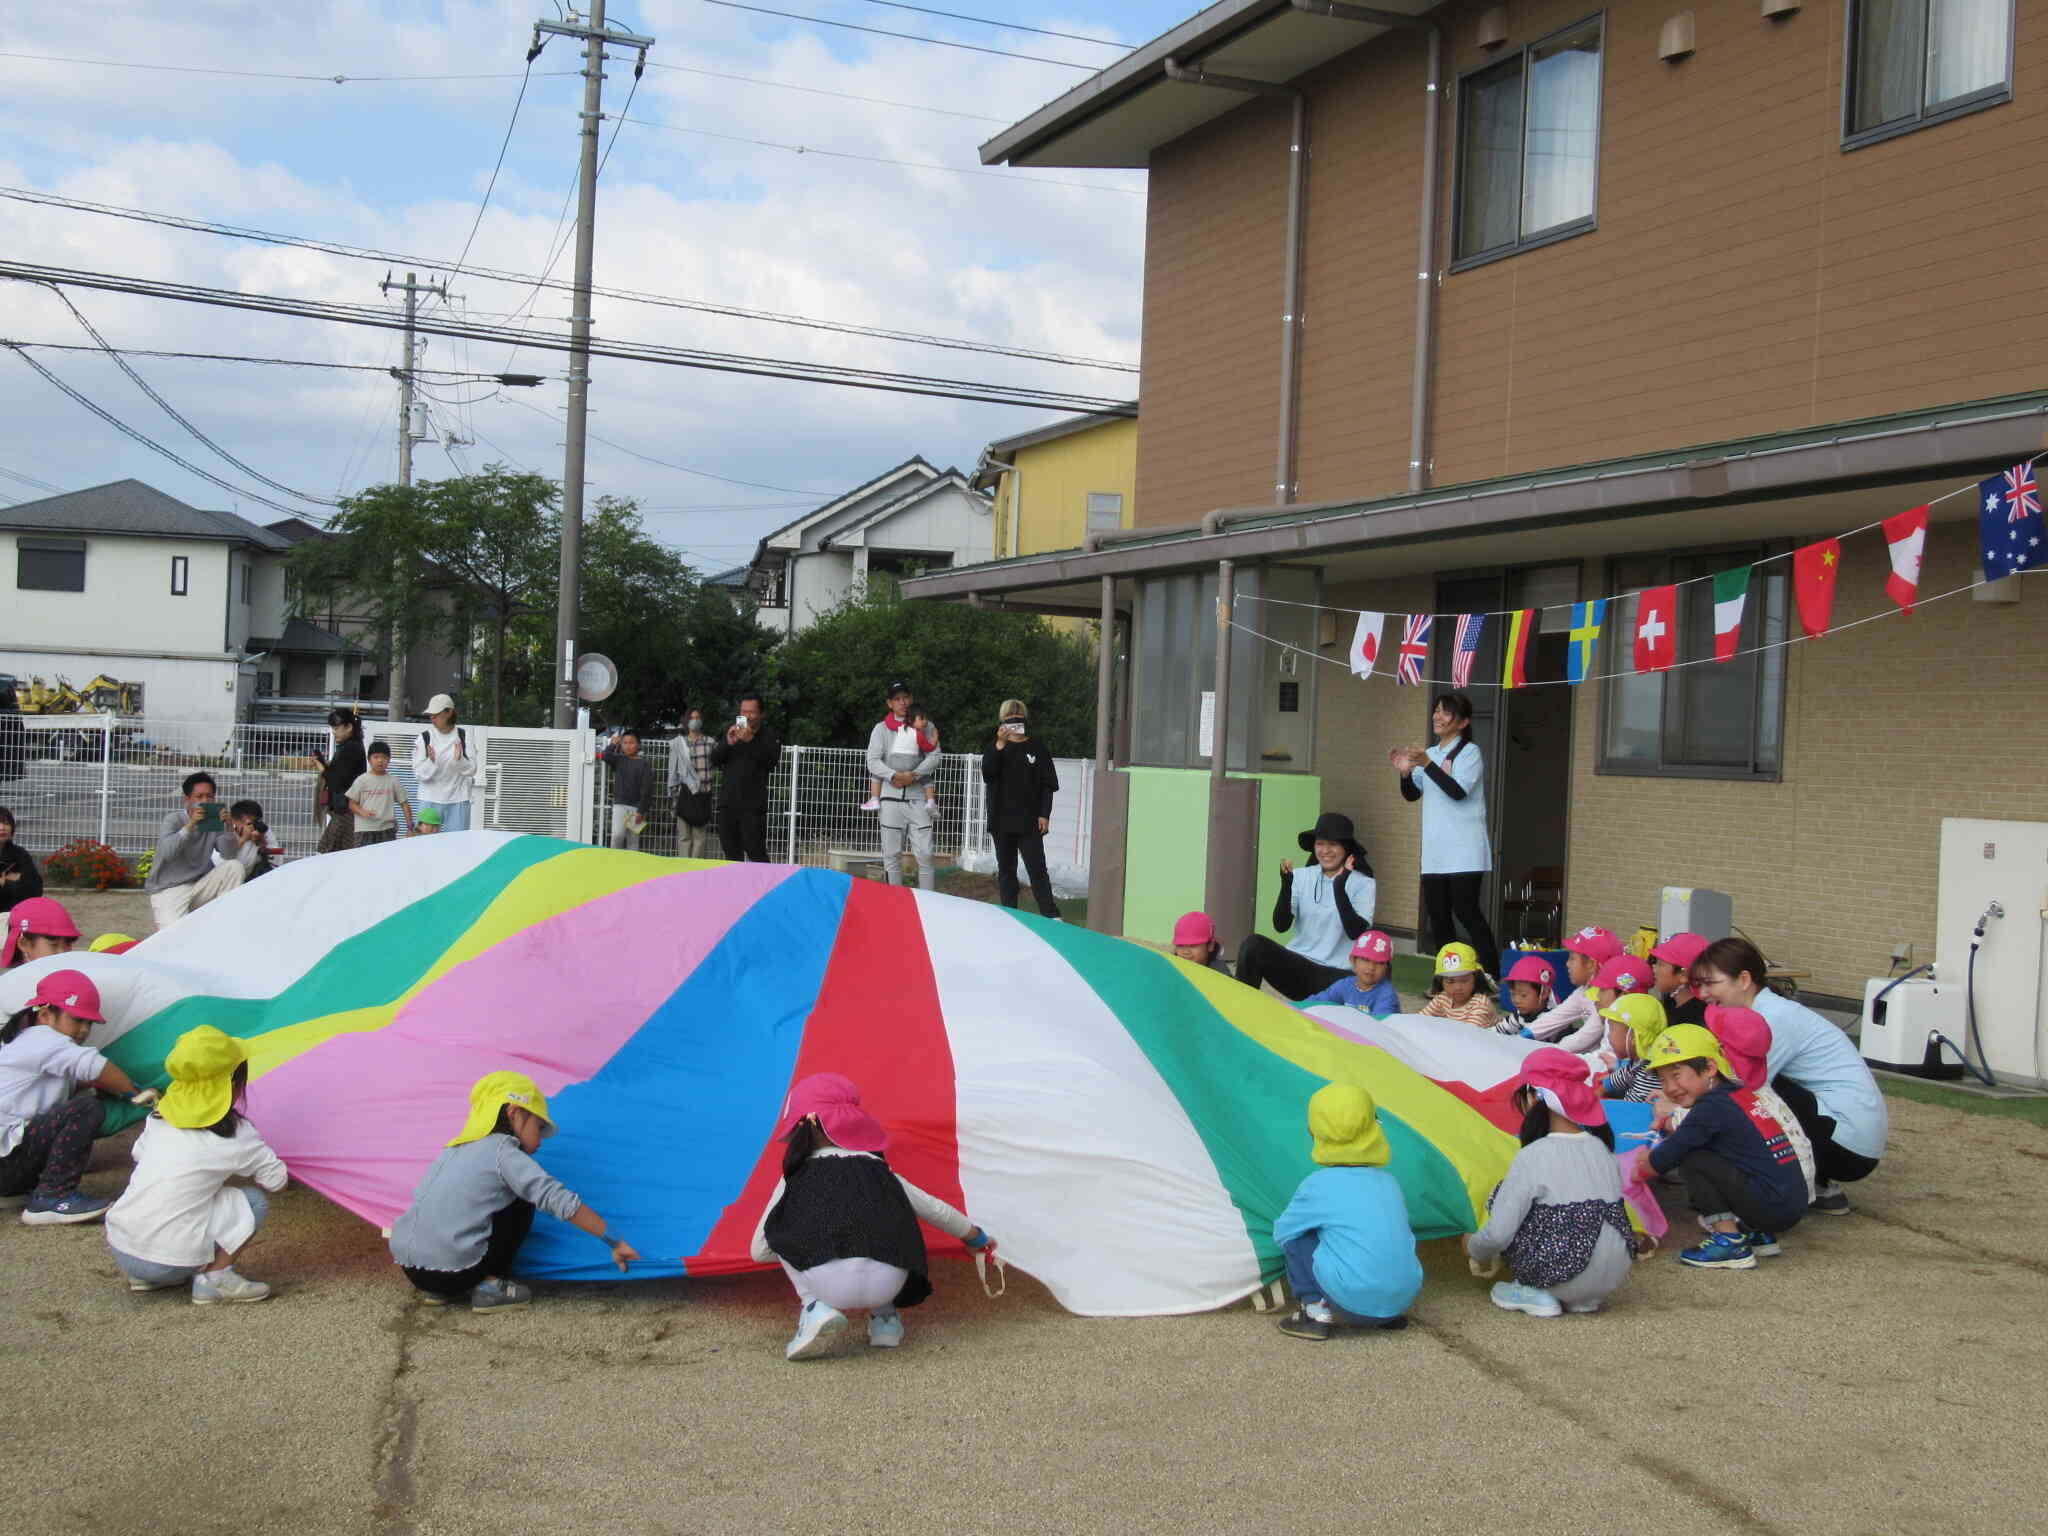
x=1053 y=487
x=1690 y=296
x=911 y=518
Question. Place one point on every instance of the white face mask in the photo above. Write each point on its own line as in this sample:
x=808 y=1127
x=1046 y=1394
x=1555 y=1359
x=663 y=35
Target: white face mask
x=696 y=724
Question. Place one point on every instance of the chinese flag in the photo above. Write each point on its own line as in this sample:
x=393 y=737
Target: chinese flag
x=1657 y=629
x=1814 y=568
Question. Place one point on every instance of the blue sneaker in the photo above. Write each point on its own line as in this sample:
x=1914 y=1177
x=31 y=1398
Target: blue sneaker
x=1721 y=1250
x=63 y=1211
x=1764 y=1245
x=498 y=1296
x=885 y=1329
x=1511 y=1297
x=817 y=1328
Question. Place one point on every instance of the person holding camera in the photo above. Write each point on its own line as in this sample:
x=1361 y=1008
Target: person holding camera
x=747 y=756
x=1021 y=782
x=901 y=758
x=184 y=875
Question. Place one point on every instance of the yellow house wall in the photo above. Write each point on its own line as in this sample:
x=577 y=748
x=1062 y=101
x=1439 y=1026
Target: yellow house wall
x=1058 y=477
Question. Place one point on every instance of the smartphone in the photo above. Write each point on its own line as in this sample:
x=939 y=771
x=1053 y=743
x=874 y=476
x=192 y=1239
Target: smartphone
x=740 y=721
x=209 y=814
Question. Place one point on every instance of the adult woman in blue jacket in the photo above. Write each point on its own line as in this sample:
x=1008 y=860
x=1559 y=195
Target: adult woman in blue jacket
x=1327 y=904
x=1457 y=855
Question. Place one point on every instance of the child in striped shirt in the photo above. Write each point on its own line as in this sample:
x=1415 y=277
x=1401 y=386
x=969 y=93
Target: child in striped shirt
x=1460 y=990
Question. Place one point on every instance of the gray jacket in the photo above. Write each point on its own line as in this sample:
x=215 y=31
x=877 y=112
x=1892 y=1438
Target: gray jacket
x=183 y=854
x=448 y=1225
x=884 y=761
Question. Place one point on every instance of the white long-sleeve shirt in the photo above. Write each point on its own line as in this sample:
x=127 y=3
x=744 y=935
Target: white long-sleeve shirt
x=167 y=1213
x=1573 y=1025
x=930 y=1209
x=40 y=1069
x=444 y=774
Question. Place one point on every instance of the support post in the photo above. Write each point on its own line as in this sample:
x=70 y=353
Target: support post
x=1226 y=576
x=106 y=769
x=796 y=774
x=408 y=406
x=1105 y=674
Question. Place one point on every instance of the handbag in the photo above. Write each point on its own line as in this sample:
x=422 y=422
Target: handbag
x=693 y=807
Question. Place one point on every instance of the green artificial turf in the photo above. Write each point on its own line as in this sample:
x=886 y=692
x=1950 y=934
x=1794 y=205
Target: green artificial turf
x=2032 y=1108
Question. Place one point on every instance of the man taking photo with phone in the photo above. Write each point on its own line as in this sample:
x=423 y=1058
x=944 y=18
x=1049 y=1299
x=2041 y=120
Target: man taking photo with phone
x=199 y=856
x=748 y=755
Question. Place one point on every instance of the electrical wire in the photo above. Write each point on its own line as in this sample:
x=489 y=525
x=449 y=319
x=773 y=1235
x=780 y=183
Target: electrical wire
x=908 y=37
x=492 y=185
x=628 y=295
x=264 y=74
x=634 y=453
x=1006 y=26
x=813 y=90
x=232 y=357
x=32 y=482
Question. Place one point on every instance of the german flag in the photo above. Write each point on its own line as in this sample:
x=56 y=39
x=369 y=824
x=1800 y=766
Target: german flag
x=1514 y=669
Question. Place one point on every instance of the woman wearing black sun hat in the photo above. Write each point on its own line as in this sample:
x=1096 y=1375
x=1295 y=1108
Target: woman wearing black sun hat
x=1327 y=903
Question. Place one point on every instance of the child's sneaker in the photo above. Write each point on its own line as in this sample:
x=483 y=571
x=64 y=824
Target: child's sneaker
x=1311 y=1320
x=153 y=1285
x=1721 y=1250
x=1764 y=1245
x=41 y=1211
x=871 y=804
x=885 y=1329
x=1511 y=1297
x=1828 y=1200
x=497 y=1295
x=817 y=1326
x=430 y=1298
x=225 y=1285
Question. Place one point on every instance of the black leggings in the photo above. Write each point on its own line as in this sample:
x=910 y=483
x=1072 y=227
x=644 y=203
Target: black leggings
x=508 y=1230
x=1444 y=896
x=1294 y=976
x=1835 y=1164
x=1713 y=1185
x=1032 y=846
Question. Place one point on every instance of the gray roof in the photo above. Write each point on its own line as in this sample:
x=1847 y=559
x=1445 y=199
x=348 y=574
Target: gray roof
x=130 y=507
x=303 y=637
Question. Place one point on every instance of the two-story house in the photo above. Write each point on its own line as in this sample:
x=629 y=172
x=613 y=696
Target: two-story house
x=1487 y=309
x=1052 y=487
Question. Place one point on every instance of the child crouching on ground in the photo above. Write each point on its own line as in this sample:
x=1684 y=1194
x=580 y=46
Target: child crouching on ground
x=1351 y=1259
x=46 y=1125
x=178 y=1222
x=1369 y=986
x=1634 y=1021
x=1558 y=1215
x=844 y=1224
x=1460 y=990
x=1529 y=981
x=1740 y=1169
x=1745 y=1037
x=476 y=1204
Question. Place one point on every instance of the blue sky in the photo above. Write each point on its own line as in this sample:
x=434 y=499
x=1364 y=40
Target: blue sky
x=1047 y=260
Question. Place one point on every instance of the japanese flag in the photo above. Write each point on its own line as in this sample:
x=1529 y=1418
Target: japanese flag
x=1906 y=537
x=1365 y=643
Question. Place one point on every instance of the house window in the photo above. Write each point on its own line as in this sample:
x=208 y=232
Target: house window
x=1528 y=146
x=1105 y=510
x=49 y=565
x=181 y=575
x=1914 y=62
x=1717 y=720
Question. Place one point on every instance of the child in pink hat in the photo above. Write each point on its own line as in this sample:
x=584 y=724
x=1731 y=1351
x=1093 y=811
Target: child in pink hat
x=36 y=928
x=843 y=1224
x=1558 y=1216
x=1194 y=940
x=1370 y=985
x=1531 y=984
x=1671 y=964
x=1745 y=1037
x=1574 y=1024
x=46 y=1125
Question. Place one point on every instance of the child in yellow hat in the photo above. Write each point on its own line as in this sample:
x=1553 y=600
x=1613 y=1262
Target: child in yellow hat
x=1460 y=990
x=179 y=1221
x=476 y=1203
x=1634 y=1021
x=1350 y=1251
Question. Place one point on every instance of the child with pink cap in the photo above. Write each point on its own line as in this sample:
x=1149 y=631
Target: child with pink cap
x=46 y=1125
x=844 y=1224
x=1530 y=982
x=1671 y=964
x=1558 y=1216
x=1745 y=1037
x=1194 y=940
x=1579 y=1014
x=1369 y=986
x=36 y=929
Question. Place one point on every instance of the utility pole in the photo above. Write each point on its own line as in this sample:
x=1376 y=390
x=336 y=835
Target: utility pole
x=594 y=36
x=412 y=288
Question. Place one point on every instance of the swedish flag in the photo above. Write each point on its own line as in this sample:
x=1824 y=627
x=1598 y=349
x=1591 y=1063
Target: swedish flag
x=1585 y=642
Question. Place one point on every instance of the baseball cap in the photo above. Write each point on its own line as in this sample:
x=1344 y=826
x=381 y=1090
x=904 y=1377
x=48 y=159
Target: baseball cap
x=1681 y=949
x=1623 y=973
x=1373 y=945
x=72 y=991
x=899 y=687
x=439 y=702
x=1597 y=944
x=1195 y=928
x=1457 y=960
x=1532 y=968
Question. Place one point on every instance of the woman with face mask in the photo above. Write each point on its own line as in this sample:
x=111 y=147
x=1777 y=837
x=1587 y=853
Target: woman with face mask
x=689 y=781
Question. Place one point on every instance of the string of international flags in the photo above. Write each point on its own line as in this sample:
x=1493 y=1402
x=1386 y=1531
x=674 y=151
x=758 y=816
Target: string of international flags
x=2011 y=532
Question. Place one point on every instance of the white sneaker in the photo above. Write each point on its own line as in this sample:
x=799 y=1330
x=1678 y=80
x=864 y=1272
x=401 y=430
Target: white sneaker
x=1320 y=1311
x=1510 y=1297
x=817 y=1325
x=225 y=1285
x=885 y=1329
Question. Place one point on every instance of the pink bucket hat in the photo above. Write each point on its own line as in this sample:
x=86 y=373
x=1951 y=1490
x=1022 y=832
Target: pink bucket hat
x=1681 y=950
x=1623 y=974
x=72 y=991
x=1559 y=1078
x=1194 y=928
x=39 y=914
x=1745 y=1037
x=1373 y=945
x=1598 y=944
x=836 y=1103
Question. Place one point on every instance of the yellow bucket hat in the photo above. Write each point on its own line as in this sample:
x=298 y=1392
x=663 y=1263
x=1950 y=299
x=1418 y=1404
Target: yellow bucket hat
x=493 y=1091
x=1644 y=1016
x=202 y=1071
x=1345 y=1123
x=1690 y=1042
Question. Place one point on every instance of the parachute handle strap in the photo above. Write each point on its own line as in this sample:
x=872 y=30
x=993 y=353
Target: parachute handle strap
x=981 y=1264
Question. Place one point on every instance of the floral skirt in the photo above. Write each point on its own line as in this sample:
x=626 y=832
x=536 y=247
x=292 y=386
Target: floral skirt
x=340 y=832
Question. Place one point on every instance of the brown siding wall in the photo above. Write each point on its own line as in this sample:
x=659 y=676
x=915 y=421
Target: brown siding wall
x=1748 y=276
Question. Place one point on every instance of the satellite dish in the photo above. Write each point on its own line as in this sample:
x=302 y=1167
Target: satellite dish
x=596 y=677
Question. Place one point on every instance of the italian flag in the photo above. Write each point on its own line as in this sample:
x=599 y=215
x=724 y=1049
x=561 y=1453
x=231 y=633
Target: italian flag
x=1731 y=591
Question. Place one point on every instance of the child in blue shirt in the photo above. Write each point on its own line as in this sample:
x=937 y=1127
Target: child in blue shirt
x=1350 y=1250
x=1369 y=986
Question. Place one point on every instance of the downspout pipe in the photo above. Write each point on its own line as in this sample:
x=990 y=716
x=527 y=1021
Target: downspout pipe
x=1284 y=475
x=1419 y=465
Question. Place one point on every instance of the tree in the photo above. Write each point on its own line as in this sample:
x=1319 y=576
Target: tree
x=375 y=551
x=496 y=535
x=962 y=663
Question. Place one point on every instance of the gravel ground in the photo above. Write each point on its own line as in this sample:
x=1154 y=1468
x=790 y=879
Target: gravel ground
x=1885 y=1375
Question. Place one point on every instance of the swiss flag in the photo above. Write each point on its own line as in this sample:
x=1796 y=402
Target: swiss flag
x=1657 y=629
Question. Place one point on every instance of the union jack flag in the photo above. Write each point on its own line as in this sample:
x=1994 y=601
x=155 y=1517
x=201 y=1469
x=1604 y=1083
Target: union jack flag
x=2022 y=495
x=1414 y=649
x=1469 y=627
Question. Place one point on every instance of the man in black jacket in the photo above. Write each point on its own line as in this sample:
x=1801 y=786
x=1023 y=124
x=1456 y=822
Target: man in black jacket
x=747 y=756
x=1021 y=783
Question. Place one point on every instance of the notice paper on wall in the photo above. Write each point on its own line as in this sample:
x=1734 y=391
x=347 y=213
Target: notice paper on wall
x=1207 y=731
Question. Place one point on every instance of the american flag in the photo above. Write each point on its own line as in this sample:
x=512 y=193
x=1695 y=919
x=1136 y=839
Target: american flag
x=1414 y=648
x=1469 y=627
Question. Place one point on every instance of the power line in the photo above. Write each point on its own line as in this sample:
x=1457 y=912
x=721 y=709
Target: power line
x=32 y=482
x=813 y=90
x=752 y=485
x=451 y=374
x=908 y=37
x=492 y=185
x=1006 y=26
x=628 y=295
x=265 y=74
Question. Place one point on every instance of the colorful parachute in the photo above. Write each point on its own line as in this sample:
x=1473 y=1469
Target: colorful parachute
x=1127 y=1124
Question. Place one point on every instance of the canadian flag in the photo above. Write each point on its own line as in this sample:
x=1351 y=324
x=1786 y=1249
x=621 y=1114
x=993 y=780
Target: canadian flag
x=1906 y=536
x=1365 y=643
x=1656 y=629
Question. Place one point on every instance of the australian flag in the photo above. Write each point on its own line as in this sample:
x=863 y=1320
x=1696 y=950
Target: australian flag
x=2009 y=523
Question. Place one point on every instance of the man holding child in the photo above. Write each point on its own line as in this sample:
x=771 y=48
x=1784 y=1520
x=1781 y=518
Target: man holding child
x=199 y=858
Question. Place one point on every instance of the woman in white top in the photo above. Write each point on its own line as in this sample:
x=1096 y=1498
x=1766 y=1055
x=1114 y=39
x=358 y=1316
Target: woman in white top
x=1457 y=856
x=444 y=765
x=1327 y=904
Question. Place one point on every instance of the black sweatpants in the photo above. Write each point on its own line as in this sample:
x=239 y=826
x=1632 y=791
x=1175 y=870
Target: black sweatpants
x=1032 y=846
x=1448 y=896
x=1835 y=1164
x=743 y=832
x=508 y=1230
x=1294 y=976
x=1714 y=1185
